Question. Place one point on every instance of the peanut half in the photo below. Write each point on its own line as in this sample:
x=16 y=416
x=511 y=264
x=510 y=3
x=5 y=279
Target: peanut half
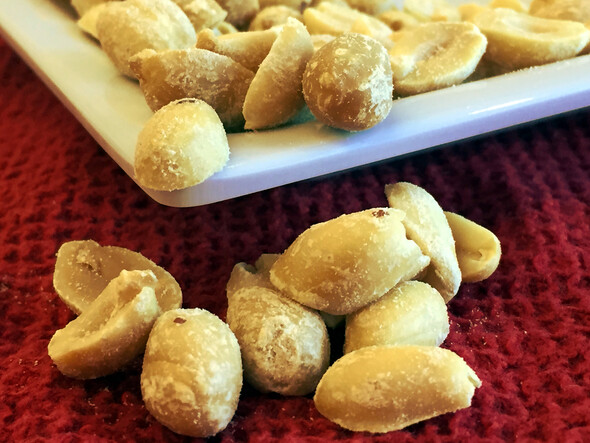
x=111 y=332
x=478 y=249
x=386 y=388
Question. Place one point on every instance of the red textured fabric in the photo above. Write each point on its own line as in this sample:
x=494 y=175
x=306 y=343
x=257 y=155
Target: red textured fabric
x=525 y=330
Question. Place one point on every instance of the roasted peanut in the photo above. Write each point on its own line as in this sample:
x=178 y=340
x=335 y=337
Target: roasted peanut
x=249 y=49
x=435 y=55
x=426 y=224
x=83 y=269
x=275 y=94
x=245 y=276
x=273 y=16
x=192 y=372
x=334 y=19
x=518 y=40
x=203 y=14
x=574 y=10
x=112 y=331
x=87 y=21
x=343 y=264
x=347 y=83
x=431 y=10
x=239 y=12
x=181 y=145
x=386 y=388
x=478 y=249
x=177 y=74
x=412 y=313
x=125 y=28
x=83 y=6
x=285 y=346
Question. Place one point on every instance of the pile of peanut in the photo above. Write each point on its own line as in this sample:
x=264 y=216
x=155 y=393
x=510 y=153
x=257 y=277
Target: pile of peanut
x=259 y=63
x=388 y=273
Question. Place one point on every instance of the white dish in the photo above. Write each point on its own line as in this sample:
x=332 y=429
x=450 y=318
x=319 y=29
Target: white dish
x=113 y=110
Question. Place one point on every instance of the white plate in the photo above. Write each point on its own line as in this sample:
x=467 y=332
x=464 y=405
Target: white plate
x=113 y=110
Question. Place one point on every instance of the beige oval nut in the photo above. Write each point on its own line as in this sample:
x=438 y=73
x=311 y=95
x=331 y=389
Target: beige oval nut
x=181 y=145
x=412 y=313
x=83 y=269
x=203 y=14
x=386 y=388
x=575 y=10
x=347 y=83
x=273 y=16
x=398 y=20
x=192 y=372
x=435 y=55
x=244 y=275
x=518 y=40
x=239 y=12
x=111 y=332
x=343 y=264
x=249 y=49
x=275 y=94
x=374 y=7
x=285 y=345
x=127 y=27
x=174 y=74
x=87 y=21
x=478 y=249
x=83 y=6
x=335 y=19
x=426 y=224
x=431 y=10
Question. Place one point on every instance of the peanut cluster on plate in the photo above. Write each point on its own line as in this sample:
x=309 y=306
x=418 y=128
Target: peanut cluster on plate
x=388 y=273
x=259 y=64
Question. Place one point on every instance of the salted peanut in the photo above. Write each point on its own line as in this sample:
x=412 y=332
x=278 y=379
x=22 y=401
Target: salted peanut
x=299 y=5
x=574 y=10
x=343 y=264
x=426 y=224
x=373 y=7
x=83 y=269
x=431 y=10
x=285 y=346
x=273 y=16
x=517 y=5
x=225 y=28
x=202 y=13
x=398 y=20
x=181 y=145
x=84 y=6
x=320 y=40
x=175 y=74
x=125 y=28
x=112 y=331
x=517 y=40
x=244 y=275
x=334 y=19
x=348 y=83
x=435 y=55
x=386 y=388
x=192 y=372
x=412 y=313
x=87 y=22
x=275 y=94
x=478 y=249
x=246 y=48
x=469 y=10
x=240 y=12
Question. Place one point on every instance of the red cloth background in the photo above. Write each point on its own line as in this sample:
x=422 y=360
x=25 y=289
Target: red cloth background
x=525 y=330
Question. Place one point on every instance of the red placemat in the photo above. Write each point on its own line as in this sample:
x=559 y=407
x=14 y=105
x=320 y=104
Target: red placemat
x=525 y=330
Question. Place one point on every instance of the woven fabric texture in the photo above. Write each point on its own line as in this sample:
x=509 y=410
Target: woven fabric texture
x=525 y=330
